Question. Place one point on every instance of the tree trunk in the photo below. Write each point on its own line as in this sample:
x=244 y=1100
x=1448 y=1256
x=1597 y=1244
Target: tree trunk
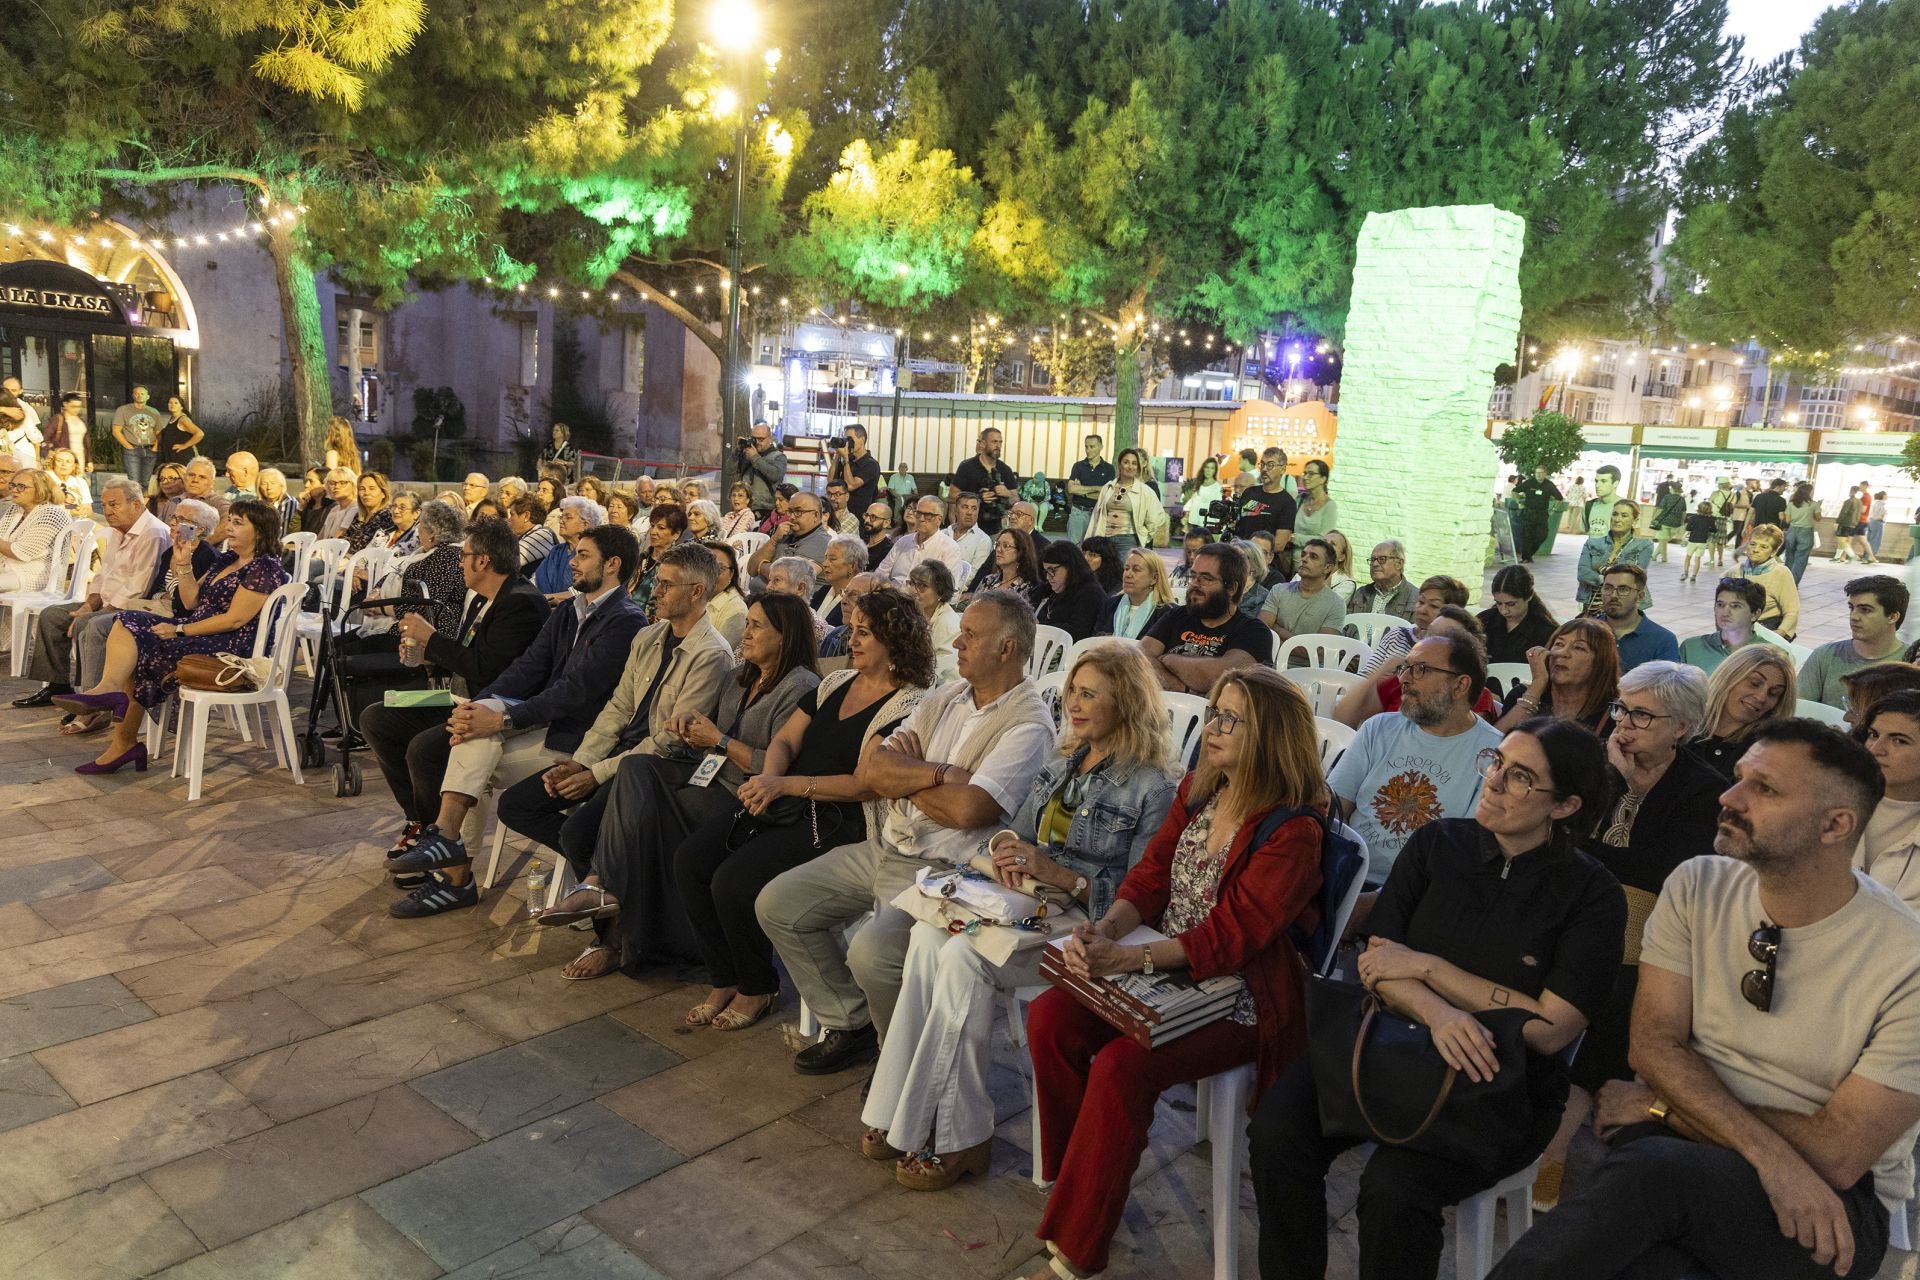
x=1129 y=379
x=305 y=342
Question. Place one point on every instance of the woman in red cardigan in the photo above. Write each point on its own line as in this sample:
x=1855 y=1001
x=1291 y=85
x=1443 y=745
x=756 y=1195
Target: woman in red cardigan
x=1225 y=908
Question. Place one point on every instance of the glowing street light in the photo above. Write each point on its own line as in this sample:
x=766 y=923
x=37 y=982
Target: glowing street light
x=734 y=25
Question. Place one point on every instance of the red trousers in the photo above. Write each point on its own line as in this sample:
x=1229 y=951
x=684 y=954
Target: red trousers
x=1096 y=1091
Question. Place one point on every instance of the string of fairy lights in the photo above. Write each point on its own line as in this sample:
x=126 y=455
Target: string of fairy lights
x=56 y=237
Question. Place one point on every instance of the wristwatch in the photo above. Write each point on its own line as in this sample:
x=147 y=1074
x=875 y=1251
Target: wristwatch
x=722 y=745
x=1658 y=1111
x=1146 y=960
x=1080 y=886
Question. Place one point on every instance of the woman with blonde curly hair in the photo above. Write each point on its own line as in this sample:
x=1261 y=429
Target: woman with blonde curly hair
x=1087 y=819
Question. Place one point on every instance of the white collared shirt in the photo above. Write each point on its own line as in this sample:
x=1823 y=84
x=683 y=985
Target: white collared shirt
x=1005 y=774
x=975 y=546
x=127 y=560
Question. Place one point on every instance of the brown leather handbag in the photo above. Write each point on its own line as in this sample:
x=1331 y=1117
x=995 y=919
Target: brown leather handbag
x=215 y=673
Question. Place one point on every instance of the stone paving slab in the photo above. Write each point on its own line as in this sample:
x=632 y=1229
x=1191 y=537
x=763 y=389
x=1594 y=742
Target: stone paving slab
x=335 y=1241
x=485 y=1198
x=55 y=1015
x=120 y=1232
x=523 y=1083
x=571 y=1249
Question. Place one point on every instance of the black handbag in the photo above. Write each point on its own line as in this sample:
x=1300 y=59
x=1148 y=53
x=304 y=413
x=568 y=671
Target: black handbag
x=1380 y=1079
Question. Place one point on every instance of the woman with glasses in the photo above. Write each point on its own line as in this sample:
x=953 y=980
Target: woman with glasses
x=1755 y=684
x=1446 y=944
x=1013 y=566
x=1574 y=677
x=1519 y=619
x=1318 y=512
x=29 y=529
x=1224 y=907
x=1087 y=818
x=169 y=486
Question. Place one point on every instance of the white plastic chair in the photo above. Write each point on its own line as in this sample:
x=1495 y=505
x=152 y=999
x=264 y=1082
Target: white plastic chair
x=1052 y=688
x=327 y=554
x=560 y=880
x=300 y=544
x=1323 y=688
x=1800 y=652
x=810 y=1025
x=274 y=639
x=1334 y=738
x=70 y=567
x=1503 y=676
x=1369 y=627
x=745 y=544
x=1329 y=653
x=1050 y=645
x=1808 y=709
x=1189 y=713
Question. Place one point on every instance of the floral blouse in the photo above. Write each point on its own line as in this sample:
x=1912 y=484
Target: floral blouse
x=1195 y=887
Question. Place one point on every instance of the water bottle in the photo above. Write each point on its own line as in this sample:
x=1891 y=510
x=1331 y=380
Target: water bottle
x=536 y=886
x=411 y=654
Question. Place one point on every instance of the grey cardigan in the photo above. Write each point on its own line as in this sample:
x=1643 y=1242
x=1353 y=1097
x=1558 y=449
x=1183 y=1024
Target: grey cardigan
x=762 y=720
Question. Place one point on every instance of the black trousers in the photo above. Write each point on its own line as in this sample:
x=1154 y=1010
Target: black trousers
x=1401 y=1192
x=567 y=826
x=411 y=744
x=721 y=868
x=1663 y=1206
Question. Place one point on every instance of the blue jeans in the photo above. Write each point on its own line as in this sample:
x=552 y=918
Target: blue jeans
x=1077 y=518
x=139 y=465
x=1876 y=531
x=1799 y=546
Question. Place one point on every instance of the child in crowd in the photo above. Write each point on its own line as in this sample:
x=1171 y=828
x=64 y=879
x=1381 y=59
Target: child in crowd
x=1701 y=527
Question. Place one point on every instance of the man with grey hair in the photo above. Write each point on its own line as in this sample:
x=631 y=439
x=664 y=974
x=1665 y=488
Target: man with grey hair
x=473 y=490
x=243 y=477
x=133 y=544
x=947 y=779
x=846 y=556
x=675 y=668
x=804 y=534
x=1026 y=518
x=200 y=481
x=1388 y=591
x=924 y=538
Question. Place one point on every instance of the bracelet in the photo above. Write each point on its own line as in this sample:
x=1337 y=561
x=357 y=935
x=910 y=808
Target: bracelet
x=940 y=774
x=1528 y=704
x=811 y=783
x=995 y=837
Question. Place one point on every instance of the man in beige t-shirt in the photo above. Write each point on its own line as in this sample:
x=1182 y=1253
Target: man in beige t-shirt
x=1777 y=1037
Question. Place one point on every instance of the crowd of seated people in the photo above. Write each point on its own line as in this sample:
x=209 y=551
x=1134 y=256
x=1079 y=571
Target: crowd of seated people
x=1722 y=1071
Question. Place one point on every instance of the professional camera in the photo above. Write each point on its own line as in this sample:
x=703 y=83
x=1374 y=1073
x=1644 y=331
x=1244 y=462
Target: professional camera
x=839 y=444
x=1219 y=516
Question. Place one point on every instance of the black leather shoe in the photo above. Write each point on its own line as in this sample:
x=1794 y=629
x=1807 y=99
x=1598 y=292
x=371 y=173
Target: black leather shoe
x=43 y=696
x=838 y=1051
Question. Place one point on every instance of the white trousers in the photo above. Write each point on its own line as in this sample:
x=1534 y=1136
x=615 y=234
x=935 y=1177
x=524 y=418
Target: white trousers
x=495 y=762
x=932 y=1075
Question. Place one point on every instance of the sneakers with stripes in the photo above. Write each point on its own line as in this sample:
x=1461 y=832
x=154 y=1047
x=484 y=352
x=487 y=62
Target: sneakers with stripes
x=434 y=897
x=432 y=851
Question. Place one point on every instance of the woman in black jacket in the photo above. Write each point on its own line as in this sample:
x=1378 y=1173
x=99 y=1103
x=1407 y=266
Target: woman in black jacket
x=1519 y=619
x=1072 y=599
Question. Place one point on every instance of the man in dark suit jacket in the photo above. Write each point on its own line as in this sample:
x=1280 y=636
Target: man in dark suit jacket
x=560 y=684
x=503 y=614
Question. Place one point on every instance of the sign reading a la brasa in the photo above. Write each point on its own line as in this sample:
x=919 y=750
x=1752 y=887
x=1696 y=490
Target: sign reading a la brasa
x=55 y=300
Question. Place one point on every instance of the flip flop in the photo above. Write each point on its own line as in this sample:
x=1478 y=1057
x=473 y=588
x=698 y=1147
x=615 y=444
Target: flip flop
x=560 y=913
x=588 y=977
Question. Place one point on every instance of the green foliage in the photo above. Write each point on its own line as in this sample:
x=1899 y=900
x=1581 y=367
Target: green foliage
x=1910 y=456
x=587 y=420
x=1552 y=440
x=438 y=411
x=1801 y=221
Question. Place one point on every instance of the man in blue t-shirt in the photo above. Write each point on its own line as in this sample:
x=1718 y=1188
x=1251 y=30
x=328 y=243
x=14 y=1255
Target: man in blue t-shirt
x=1411 y=767
x=1640 y=638
x=1083 y=488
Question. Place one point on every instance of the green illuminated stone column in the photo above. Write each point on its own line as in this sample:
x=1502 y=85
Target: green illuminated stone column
x=1436 y=305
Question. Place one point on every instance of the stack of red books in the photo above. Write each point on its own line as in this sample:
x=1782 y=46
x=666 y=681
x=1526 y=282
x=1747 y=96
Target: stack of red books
x=1148 y=1010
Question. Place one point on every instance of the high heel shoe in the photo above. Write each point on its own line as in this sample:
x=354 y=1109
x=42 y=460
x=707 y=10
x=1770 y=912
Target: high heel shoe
x=85 y=702
x=926 y=1171
x=135 y=755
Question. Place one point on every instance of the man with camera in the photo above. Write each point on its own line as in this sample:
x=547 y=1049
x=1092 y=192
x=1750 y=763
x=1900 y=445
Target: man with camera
x=762 y=466
x=852 y=465
x=985 y=474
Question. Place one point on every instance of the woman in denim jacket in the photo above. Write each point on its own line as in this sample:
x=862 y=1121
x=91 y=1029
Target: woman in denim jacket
x=1086 y=820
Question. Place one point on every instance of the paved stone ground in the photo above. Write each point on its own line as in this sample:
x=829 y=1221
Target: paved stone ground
x=219 y=1057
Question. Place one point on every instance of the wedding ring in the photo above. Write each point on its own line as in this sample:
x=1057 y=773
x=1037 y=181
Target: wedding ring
x=1020 y=860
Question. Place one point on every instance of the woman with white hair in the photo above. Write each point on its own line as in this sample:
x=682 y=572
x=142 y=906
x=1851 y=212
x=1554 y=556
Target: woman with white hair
x=273 y=492
x=29 y=528
x=1667 y=812
x=554 y=574
x=703 y=518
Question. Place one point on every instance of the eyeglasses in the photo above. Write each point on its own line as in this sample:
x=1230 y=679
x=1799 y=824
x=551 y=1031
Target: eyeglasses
x=1420 y=671
x=1385 y=559
x=1635 y=716
x=1619 y=588
x=1493 y=767
x=1756 y=986
x=1203 y=577
x=1222 y=722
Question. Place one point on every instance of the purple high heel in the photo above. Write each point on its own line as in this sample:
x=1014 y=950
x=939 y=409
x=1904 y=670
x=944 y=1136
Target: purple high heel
x=135 y=755
x=80 y=703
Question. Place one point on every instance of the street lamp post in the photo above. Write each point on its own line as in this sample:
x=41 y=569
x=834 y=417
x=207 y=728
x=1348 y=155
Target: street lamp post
x=734 y=26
